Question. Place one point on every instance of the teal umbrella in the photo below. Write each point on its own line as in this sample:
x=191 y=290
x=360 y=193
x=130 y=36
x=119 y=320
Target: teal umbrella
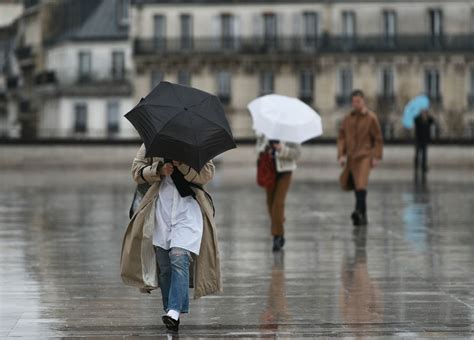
x=413 y=109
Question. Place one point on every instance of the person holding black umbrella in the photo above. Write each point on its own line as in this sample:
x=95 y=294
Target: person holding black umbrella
x=171 y=240
x=178 y=226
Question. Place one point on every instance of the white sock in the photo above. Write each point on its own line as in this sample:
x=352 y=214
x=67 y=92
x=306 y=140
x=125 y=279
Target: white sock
x=174 y=314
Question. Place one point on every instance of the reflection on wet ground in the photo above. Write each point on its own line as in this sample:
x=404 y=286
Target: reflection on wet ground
x=409 y=273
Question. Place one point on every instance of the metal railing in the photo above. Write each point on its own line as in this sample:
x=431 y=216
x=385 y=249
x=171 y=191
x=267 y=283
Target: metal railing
x=301 y=44
x=50 y=77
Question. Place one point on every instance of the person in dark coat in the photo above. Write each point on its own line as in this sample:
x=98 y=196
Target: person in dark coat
x=423 y=125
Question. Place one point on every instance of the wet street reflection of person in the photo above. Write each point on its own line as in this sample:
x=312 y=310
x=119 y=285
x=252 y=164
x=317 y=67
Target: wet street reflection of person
x=360 y=300
x=276 y=309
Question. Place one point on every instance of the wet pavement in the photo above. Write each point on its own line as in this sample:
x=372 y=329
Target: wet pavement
x=408 y=274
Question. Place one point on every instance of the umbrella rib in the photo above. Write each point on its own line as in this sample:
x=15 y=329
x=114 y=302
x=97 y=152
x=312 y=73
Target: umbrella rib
x=199 y=114
x=202 y=101
x=176 y=95
x=161 y=105
x=223 y=127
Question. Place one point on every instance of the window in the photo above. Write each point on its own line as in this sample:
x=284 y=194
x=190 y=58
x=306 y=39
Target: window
x=186 y=31
x=389 y=25
x=311 y=28
x=227 y=31
x=348 y=24
x=387 y=87
x=345 y=86
x=224 y=87
x=184 y=78
x=472 y=21
x=471 y=81
x=270 y=29
x=159 y=31
x=436 y=22
x=123 y=11
x=471 y=88
x=118 y=65
x=306 y=86
x=266 y=83
x=80 y=118
x=156 y=77
x=85 y=65
x=113 y=116
x=432 y=85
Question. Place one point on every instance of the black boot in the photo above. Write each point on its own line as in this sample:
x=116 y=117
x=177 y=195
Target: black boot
x=278 y=242
x=359 y=218
x=356 y=217
x=170 y=323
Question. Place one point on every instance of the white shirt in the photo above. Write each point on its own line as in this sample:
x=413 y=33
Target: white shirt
x=178 y=220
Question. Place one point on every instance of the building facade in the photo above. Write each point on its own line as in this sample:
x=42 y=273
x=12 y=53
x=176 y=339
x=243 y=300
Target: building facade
x=315 y=50
x=85 y=85
x=9 y=13
x=74 y=69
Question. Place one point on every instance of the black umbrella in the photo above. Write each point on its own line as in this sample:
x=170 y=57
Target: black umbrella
x=182 y=123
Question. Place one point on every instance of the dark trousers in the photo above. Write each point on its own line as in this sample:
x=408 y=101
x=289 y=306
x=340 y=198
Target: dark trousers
x=361 y=197
x=361 y=201
x=421 y=156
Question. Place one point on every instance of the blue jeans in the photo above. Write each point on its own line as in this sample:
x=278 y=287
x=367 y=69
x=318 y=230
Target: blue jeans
x=174 y=278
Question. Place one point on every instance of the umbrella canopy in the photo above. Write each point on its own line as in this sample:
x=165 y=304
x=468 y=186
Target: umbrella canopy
x=285 y=118
x=413 y=109
x=182 y=123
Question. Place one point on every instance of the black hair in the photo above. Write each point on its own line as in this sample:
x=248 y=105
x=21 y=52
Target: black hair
x=357 y=93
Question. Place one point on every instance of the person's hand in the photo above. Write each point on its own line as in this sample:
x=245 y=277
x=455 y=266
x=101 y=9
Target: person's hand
x=374 y=163
x=342 y=161
x=167 y=169
x=177 y=163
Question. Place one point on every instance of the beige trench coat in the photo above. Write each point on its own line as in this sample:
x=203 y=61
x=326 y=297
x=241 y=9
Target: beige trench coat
x=138 y=262
x=360 y=140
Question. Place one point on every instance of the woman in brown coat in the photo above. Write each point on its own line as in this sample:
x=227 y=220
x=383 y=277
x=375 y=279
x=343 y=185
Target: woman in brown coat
x=360 y=147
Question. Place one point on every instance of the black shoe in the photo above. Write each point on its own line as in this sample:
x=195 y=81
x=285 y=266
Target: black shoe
x=170 y=323
x=359 y=218
x=356 y=217
x=278 y=243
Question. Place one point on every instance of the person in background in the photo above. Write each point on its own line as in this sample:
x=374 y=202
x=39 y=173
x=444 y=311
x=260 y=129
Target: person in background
x=423 y=125
x=285 y=156
x=360 y=148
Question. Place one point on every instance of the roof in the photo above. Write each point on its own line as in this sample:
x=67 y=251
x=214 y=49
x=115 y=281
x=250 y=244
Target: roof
x=87 y=20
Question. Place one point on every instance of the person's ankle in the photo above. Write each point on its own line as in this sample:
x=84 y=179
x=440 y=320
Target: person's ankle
x=173 y=314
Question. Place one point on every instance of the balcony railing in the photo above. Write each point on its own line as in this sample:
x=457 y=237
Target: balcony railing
x=84 y=84
x=310 y=45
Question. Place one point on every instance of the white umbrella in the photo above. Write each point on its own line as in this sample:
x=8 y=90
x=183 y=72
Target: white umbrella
x=285 y=118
